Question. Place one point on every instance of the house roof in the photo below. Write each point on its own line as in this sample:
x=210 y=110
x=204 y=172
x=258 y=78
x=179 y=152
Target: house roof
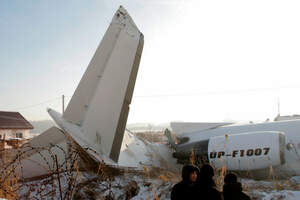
x=13 y=120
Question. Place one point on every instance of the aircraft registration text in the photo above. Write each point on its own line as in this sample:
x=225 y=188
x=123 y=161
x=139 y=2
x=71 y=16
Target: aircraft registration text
x=241 y=153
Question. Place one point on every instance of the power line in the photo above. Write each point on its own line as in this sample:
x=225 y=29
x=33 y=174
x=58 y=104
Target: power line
x=171 y=95
x=37 y=104
x=213 y=92
x=41 y=103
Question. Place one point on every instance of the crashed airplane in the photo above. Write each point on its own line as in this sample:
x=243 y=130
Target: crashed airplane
x=95 y=120
x=96 y=116
x=258 y=150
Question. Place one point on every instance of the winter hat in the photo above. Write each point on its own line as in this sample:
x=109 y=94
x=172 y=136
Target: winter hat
x=207 y=171
x=230 y=178
x=187 y=170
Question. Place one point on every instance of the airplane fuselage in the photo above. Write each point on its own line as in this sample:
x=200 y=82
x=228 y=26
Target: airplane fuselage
x=290 y=129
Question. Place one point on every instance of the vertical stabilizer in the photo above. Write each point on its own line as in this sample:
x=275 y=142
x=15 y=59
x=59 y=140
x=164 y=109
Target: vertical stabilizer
x=100 y=104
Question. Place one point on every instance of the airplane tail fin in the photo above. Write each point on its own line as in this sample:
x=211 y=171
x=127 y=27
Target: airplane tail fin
x=100 y=104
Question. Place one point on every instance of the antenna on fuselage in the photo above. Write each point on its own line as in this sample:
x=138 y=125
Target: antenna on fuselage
x=278 y=107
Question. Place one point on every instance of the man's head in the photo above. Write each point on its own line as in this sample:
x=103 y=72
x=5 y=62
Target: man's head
x=207 y=171
x=230 y=178
x=190 y=173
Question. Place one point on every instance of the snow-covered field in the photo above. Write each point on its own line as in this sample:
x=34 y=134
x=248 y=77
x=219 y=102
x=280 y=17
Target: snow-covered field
x=140 y=178
x=273 y=189
x=143 y=187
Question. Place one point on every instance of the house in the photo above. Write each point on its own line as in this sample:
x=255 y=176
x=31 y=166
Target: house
x=14 y=129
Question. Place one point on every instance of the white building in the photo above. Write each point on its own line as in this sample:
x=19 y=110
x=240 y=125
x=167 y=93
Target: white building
x=14 y=129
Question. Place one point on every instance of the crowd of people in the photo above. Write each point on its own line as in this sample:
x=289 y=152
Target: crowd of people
x=199 y=184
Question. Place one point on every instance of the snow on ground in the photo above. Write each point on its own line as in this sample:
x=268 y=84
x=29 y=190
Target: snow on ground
x=273 y=189
x=141 y=186
x=285 y=194
x=144 y=182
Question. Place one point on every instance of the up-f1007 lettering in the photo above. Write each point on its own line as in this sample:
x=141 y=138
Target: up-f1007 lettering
x=241 y=153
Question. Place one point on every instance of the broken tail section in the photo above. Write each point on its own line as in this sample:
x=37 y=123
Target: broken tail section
x=100 y=104
x=96 y=116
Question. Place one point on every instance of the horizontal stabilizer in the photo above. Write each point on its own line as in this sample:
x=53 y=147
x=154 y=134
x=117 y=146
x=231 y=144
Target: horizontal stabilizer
x=37 y=157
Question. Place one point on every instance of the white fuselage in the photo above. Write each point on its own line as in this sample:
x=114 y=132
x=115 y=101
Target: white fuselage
x=291 y=129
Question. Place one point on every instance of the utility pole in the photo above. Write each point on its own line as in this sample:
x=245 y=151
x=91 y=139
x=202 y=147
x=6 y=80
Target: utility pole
x=278 y=107
x=278 y=115
x=63 y=104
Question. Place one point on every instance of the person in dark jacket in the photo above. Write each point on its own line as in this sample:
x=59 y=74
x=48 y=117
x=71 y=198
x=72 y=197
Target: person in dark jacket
x=232 y=189
x=206 y=185
x=186 y=189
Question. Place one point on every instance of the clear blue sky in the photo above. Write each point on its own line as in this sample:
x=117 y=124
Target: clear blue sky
x=214 y=60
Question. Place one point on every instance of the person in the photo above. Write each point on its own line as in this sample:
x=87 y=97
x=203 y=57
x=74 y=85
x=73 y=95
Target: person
x=206 y=185
x=186 y=188
x=232 y=189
